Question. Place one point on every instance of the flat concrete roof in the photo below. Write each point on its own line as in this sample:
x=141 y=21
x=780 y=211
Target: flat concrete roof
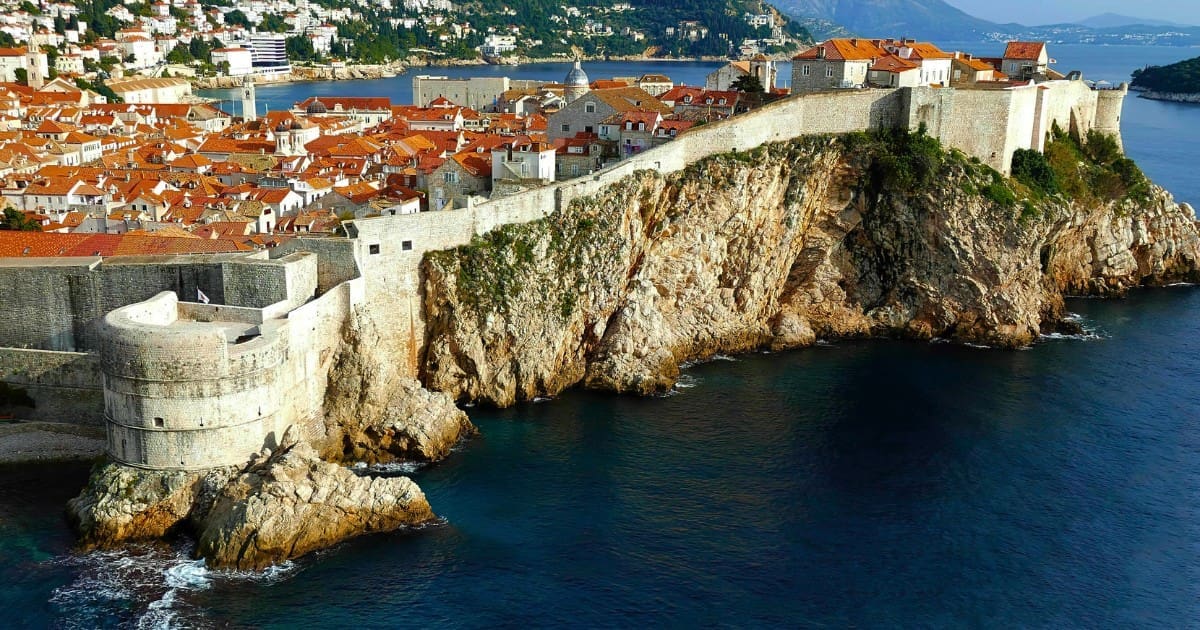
x=59 y=261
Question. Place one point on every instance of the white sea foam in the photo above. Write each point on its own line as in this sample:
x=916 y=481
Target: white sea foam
x=145 y=586
x=542 y=399
x=389 y=468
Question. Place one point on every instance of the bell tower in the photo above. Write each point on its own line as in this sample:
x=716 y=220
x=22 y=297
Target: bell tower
x=249 y=109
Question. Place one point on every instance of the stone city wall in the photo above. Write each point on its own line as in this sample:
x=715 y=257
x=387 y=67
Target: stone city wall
x=63 y=386
x=57 y=304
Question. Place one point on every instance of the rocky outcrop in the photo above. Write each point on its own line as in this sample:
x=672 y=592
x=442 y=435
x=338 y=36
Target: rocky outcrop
x=282 y=505
x=416 y=424
x=288 y=503
x=374 y=414
x=291 y=501
x=816 y=238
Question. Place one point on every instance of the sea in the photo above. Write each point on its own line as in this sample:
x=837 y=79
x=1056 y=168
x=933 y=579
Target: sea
x=851 y=484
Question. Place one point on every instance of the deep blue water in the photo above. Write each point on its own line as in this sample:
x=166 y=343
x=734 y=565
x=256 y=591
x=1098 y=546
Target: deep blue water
x=858 y=484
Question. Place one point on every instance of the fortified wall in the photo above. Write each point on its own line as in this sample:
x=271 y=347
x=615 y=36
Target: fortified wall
x=183 y=385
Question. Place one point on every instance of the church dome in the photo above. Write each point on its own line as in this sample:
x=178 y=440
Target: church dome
x=577 y=77
x=317 y=107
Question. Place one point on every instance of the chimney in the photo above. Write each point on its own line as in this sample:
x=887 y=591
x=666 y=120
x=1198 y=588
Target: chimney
x=854 y=42
x=821 y=52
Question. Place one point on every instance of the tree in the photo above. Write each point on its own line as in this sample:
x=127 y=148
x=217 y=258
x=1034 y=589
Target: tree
x=30 y=8
x=300 y=48
x=748 y=83
x=236 y=17
x=180 y=54
x=201 y=49
x=14 y=219
x=272 y=23
x=22 y=76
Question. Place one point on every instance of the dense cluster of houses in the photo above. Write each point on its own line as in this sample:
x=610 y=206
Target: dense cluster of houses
x=190 y=172
x=75 y=164
x=892 y=63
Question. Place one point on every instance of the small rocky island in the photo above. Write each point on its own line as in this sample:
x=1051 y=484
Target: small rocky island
x=1178 y=82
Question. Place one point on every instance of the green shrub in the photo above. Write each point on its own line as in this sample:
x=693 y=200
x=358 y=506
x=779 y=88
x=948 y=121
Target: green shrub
x=1033 y=169
x=1000 y=194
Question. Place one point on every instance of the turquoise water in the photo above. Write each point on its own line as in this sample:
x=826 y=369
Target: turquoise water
x=855 y=484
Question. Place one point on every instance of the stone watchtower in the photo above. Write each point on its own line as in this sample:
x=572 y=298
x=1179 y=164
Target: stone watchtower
x=249 y=108
x=577 y=83
x=1109 y=104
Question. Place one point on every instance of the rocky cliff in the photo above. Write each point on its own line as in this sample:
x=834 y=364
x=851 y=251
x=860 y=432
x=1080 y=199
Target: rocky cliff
x=817 y=238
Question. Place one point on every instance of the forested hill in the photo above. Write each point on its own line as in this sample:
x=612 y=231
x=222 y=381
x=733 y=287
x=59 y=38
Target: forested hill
x=592 y=27
x=1177 y=78
x=924 y=19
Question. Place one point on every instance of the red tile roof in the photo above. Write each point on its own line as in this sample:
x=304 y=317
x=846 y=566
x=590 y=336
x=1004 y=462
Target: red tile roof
x=844 y=50
x=1025 y=51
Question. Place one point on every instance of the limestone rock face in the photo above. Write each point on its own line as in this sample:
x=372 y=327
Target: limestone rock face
x=773 y=248
x=376 y=414
x=289 y=503
x=417 y=424
x=125 y=504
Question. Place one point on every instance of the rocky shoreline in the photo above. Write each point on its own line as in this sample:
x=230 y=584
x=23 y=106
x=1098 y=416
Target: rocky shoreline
x=819 y=238
x=286 y=501
x=1174 y=97
x=305 y=74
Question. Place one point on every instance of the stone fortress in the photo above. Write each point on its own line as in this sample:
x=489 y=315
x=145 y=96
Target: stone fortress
x=182 y=385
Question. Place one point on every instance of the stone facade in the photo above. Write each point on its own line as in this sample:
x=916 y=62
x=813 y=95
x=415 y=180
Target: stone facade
x=812 y=75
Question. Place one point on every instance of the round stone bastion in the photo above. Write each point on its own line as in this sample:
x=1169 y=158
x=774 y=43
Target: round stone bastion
x=189 y=386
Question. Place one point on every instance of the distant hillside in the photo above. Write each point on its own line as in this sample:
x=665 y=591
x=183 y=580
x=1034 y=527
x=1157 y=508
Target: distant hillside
x=925 y=19
x=937 y=20
x=1115 y=20
x=1177 y=78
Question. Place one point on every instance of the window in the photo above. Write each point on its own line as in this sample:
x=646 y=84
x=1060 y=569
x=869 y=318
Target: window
x=829 y=72
x=159 y=423
x=804 y=70
x=406 y=246
x=565 y=127
x=373 y=248
x=450 y=177
x=589 y=108
x=574 y=169
x=588 y=129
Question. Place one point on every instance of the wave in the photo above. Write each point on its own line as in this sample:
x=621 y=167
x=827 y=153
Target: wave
x=142 y=586
x=1090 y=332
x=387 y=468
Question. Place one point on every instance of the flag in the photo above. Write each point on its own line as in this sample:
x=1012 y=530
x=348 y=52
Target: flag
x=200 y=296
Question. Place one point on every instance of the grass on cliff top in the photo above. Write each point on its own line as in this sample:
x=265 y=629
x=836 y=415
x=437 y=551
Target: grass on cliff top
x=1092 y=171
x=499 y=266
